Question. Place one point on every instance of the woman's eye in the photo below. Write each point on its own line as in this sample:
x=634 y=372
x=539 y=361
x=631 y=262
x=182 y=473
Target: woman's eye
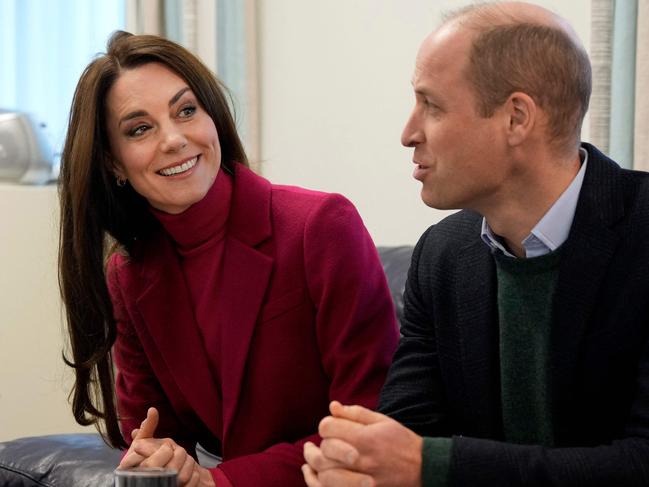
x=138 y=130
x=187 y=111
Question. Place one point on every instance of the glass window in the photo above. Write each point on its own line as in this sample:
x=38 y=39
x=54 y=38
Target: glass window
x=44 y=47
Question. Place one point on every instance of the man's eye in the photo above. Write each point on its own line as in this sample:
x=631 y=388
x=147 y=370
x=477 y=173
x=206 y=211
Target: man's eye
x=431 y=107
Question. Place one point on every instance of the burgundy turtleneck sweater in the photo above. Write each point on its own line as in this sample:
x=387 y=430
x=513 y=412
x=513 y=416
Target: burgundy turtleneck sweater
x=198 y=235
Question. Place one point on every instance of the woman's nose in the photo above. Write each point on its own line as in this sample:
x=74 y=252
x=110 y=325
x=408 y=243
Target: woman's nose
x=173 y=141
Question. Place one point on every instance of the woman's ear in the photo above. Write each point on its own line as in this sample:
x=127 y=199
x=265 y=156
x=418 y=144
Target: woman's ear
x=118 y=172
x=115 y=166
x=521 y=111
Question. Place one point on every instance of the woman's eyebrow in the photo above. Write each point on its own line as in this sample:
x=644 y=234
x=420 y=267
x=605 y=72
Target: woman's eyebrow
x=142 y=113
x=177 y=96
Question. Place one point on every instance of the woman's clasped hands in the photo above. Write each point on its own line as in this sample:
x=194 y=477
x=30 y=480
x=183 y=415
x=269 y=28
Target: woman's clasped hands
x=147 y=451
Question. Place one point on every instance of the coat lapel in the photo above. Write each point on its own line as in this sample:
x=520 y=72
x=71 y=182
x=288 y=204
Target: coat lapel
x=245 y=277
x=586 y=256
x=166 y=310
x=477 y=328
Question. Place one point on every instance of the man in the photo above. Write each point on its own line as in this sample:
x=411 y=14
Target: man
x=524 y=359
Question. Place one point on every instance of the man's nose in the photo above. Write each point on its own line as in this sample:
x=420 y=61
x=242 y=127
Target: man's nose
x=412 y=133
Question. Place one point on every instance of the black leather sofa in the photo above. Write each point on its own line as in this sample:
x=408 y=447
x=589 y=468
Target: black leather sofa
x=82 y=460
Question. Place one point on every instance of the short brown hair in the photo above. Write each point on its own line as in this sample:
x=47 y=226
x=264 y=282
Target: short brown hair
x=543 y=61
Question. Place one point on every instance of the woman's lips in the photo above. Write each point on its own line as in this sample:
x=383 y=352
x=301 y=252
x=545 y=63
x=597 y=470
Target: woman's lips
x=179 y=168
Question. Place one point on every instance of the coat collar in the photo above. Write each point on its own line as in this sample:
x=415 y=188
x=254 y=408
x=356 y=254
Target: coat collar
x=478 y=337
x=586 y=256
x=167 y=314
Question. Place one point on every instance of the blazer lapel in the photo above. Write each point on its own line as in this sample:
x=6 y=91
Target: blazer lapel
x=166 y=309
x=586 y=256
x=245 y=277
x=245 y=274
x=477 y=329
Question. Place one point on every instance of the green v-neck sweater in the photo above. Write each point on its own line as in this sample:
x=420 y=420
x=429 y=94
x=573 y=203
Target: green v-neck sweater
x=526 y=290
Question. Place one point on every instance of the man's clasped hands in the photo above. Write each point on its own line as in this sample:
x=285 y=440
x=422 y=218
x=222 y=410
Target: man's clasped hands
x=362 y=448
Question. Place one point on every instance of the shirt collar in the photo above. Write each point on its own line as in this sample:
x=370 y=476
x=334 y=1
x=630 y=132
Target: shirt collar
x=553 y=228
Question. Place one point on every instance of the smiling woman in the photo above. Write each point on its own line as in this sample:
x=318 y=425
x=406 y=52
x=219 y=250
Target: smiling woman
x=163 y=141
x=234 y=309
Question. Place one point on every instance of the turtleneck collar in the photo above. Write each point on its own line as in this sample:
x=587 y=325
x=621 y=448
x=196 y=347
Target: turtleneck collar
x=203 y=223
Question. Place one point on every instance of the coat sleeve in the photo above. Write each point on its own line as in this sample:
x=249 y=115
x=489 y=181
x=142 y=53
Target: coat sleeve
x=623 y=461
x=136 y=385
x=414 y=395
x=355 y=324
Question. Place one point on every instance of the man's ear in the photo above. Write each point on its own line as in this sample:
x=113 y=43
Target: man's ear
x=521 y=112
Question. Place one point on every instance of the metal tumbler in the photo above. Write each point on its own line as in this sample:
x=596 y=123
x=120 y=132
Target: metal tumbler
x=146 y=477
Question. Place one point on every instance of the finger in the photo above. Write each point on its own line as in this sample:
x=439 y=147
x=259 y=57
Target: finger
x=130 y=460
x=310 y=477
x=345 y=478
x=183 y=464
x=195 y=480
x=148 y=446
x=149 y=425
x=316 y=459
x=160 y=458
x=339 y=450
x=344 y=429
x=358 y=414
x=134 y=433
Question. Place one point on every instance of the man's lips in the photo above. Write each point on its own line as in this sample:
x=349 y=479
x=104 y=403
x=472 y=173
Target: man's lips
x=419 y=172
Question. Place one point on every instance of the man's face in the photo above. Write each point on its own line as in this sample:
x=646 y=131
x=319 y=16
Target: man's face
x=459 y=155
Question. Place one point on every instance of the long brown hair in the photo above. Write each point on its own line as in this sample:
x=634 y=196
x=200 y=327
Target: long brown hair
x=95 y=211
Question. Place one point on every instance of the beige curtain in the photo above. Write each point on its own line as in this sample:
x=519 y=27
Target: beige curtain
x=601 y=58
x=253 y=131
x=145 y=17
x=641 y=139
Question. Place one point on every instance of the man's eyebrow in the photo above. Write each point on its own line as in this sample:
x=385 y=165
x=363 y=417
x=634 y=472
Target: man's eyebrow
x=422 y=91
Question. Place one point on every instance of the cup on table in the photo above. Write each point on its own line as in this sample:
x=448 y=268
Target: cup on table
x=146 y=477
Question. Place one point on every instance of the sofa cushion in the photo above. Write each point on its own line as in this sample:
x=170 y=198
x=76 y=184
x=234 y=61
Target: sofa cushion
x=58 y=461
x=396 y=261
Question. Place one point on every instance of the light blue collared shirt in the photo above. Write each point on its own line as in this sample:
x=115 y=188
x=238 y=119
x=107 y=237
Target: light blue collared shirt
x=553 y=229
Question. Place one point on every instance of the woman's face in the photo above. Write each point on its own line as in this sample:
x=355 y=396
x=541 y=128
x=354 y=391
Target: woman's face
x=161 y=138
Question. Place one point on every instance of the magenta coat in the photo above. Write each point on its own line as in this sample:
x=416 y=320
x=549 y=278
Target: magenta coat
x=306 y=317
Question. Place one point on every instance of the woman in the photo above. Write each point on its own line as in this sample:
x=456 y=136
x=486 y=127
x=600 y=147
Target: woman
x=234 y=310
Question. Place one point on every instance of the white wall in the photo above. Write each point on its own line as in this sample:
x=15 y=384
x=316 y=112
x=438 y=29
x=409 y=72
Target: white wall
x=336 y=92
x=34 y=382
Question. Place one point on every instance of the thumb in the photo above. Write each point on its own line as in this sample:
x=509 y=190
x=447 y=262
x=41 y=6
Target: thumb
x=358 y=414
x=149 y=425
